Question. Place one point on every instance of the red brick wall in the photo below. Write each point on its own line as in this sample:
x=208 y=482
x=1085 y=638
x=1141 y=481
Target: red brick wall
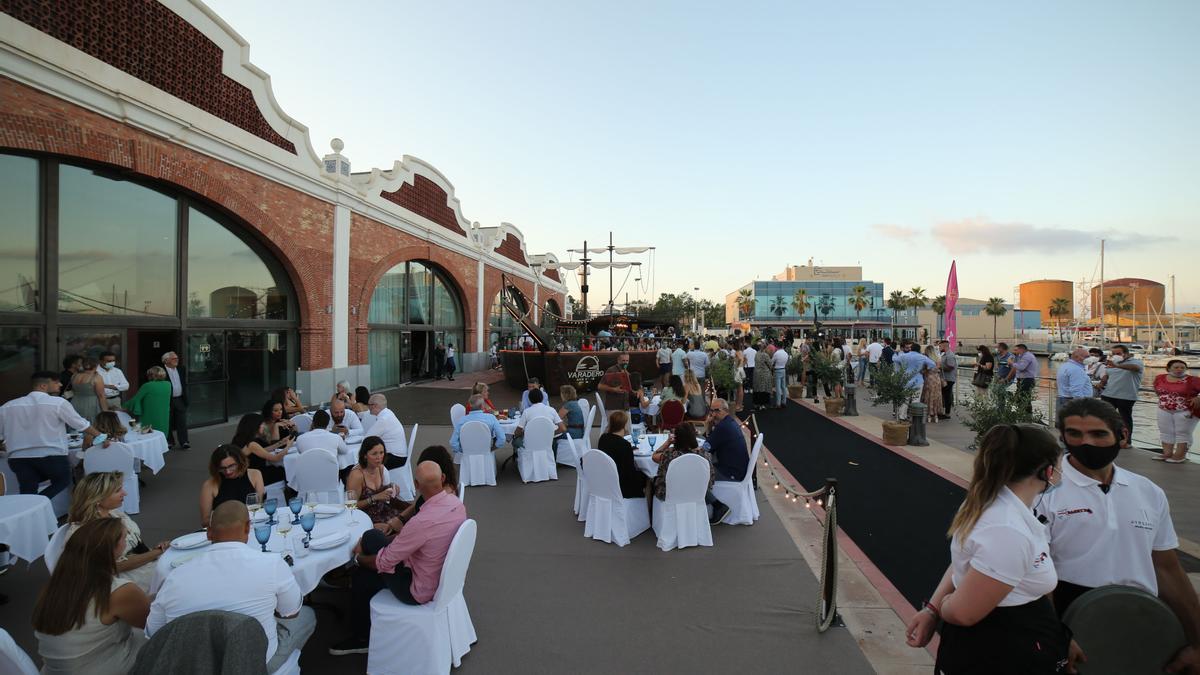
x=425 y=198
x=296 y=228
x=150 y=42
x=511 y=248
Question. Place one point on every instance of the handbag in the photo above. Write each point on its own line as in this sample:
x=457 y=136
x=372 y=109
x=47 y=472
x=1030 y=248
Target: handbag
x=982 y=378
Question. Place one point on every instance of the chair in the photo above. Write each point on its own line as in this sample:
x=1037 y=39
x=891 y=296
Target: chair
x=126 y=420
x=610 y=517
x=275 y=491
x=739 y=496
x=315 y=470
x=200 y=643
x=13 y=659
x=478 y=463
x=672 y=414
x=682 y=519
x=303 y=422
x=368 y=421
x=412 y=440
x=427 y=638
x=603 y=413
x=535 y=459
x=564 y=452
x=578 y=446
x=586 y=409
x=58 y=541
x=457 y=412
x=116 y=457
x=581 y=490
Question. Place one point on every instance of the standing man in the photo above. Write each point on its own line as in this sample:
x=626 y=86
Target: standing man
x=678 y=359
x=71 y=365
x=451 y=366
x=1122 y=379
x=874 y=353
x=888 y=352
x=949 y=376
x=179 y=401
x=663 y=358
x=1004 y=361
x=439 y=360
x=698 y=361
x=34 y=431
x=1073 y=380
x=115 y=383
x=750 y=353
x=913 y=362
x=779 y=361
x=616 y=386
x=1024 y=371
x=1108 y=525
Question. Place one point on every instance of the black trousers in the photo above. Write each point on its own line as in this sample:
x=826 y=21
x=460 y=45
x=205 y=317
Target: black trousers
x=365 y=583
x=1125 y=407
x=31 y=471
x=178 y=421
x=948 y=396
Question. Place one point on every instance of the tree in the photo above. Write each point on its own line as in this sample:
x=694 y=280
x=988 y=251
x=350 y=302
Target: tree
x=995 y=308
x=800 y=301
x=859 y=300
x=1118 y=302
x=1059 y=307
x=896 y=302
x=917 y=299
x=779 y=306
x=746 y=303
x=939 y=307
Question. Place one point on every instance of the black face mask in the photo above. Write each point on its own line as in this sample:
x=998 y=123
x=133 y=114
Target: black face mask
x=1094 y=457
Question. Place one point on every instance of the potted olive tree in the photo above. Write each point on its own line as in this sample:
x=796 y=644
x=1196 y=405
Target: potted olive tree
x=721 y=372
x=892 y=386
x=828 y=372
x=795 y=370
x=997 y=405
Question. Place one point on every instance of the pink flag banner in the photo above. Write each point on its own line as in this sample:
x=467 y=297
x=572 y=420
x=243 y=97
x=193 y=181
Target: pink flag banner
x=951 y=301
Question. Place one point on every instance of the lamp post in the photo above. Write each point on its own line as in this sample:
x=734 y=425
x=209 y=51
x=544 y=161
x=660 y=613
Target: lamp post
x=696 y=308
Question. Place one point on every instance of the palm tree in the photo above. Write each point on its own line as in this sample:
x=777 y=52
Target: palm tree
x=1059 y=307
x=896 y=302
x=917 y=299
x=859 y=300
x=746 y=302
x=1118 y=302
x=826 y=304
x=939 y=307
x=995 y=308
x=778 y=306
x=800 y=301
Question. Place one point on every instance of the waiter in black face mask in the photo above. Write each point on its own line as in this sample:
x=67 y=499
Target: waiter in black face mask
x=1111 y=526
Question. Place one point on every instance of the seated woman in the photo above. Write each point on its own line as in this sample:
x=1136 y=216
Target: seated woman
x=263 y=456
x=107 y=422
x=361 y=396
x=292 y=405
x=276 y=425
x=697 y=405
x=682 y=442
x=443 y=458
x=230 y=478
x=342 y=393
x=85 y=614
x=571 y=413
x=482 y=389
x=613 y=444
x=151 y=405
x=376 y=491
x=99 y=495
x=674 y=390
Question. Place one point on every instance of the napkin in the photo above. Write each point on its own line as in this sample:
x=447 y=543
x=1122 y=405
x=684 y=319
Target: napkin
x=329 y=540
x=329 y=509
x=190 y=540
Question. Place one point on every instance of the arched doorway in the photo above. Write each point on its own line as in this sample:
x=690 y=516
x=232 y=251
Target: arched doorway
x=139 y=269
x=414 y=308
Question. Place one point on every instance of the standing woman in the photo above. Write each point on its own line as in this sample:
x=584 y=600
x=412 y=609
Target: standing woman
x=1177 y=409
x=985 y=368
x=994 y=598
x=864 y=358
x=451 y=366
x=739 y=376
x=764 y=376
x=88 y=387
x=931 y=391
x=151 y=405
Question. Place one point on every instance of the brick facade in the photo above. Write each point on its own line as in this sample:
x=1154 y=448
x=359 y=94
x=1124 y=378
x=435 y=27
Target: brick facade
x=425 y=198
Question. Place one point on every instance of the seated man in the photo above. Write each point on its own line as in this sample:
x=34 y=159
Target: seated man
x=477 y=402
x=342 y=421
x=318 y=437
x=533 y=385
x=1108 y=525
x=410 y=566
x=537 y=409
x=726 y=444
x=389 y=429
x=234 y=577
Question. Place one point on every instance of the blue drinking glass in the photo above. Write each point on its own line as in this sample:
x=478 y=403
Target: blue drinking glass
x=652 y=440
x=270 y=506
x=296 y=505
x=262 y=533
x=308 y=521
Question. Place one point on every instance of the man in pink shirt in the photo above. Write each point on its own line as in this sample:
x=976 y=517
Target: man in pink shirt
x=410 y=566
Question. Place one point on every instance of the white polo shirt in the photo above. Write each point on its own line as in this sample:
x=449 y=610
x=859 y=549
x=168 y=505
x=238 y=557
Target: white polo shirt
x=874 y=351
x=539 y=410
x=1098 y=539
x=1009 y=545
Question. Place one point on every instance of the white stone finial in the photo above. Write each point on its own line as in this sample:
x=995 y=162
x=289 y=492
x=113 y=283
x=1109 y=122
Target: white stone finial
x=337 y=145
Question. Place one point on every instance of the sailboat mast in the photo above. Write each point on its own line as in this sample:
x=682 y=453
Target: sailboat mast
x=1103 y=332
x=1174 y=326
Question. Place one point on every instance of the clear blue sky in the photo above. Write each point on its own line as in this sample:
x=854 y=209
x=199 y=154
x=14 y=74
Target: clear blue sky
x=742 y=137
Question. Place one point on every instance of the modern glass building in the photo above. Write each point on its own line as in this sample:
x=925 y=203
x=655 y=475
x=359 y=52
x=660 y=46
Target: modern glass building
x=847 y=308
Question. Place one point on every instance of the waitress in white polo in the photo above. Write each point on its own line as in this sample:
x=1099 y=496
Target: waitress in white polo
x=993 y=601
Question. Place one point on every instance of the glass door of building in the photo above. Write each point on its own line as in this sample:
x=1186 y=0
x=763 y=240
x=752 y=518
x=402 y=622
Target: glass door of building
x=204 y=359
x=407 y=364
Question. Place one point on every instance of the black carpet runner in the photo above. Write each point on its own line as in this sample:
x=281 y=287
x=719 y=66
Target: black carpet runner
x=896 y=511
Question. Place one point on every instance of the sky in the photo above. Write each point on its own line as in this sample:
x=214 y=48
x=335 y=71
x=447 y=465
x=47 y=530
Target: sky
x=739 y=138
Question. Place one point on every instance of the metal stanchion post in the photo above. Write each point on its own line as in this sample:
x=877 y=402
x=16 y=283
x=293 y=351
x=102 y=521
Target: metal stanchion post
x=827 y=603
x=851 y=407
x=916 y=423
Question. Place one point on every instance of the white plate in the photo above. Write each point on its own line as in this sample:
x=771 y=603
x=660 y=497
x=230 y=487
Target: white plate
x=329 y=510
x=258 y=516
x=332 y=541
x=190 y=541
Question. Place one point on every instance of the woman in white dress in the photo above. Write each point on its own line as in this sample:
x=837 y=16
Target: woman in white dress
x=99 y=495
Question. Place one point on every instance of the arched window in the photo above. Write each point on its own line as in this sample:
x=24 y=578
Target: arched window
x=502 y=327
x=414 y=308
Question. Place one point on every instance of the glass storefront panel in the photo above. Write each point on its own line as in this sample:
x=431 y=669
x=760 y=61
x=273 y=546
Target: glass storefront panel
x=204 y=359
x=117 y=246
x=446 y=305
x=383 y=353
x=387 y=301
x=19 y=232
x=20 y=357
x=226 y=278
x=420 y=278
x=259 y=360
x=90 y=342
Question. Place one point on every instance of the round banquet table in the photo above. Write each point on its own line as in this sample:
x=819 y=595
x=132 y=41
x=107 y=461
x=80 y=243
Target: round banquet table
x=309 y=569
x=26 y=523
x=642 y=454
x=510 y=426
x=148 y=447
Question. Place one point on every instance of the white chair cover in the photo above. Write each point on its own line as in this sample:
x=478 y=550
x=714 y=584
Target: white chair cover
x=303 y=422
x=457 y=412
x=610 y=517
x=412 y=440
x=116 y=457
x=564 y=452
x=478 y=465
x=315 y=470
x=581 y=489
x=126 y=420
x=58 y=541
x=426 y=638
x=682 y=520
x=588 y=417
x=739 y=496
x=275 y=491
x=368 y=421
x=535 y=459
x=291 y=666
x=13 y=659
x=603 y=413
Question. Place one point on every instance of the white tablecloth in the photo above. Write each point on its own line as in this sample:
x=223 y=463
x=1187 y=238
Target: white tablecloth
x=149 y=448
x=509 y=426
x=26 y=523
x=308 y=570
x=642 y=454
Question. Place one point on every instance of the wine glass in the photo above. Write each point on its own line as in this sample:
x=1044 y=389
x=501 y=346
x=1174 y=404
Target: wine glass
x=295 y=504
x=351 y=499
x=252 y=504
x=270 y=506
x=652 y=439
x=308 y=521
x=311 y=499
x=285 y=526
x=263 y=534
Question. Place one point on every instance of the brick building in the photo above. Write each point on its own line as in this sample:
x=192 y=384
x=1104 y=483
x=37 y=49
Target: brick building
x=156 y=197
